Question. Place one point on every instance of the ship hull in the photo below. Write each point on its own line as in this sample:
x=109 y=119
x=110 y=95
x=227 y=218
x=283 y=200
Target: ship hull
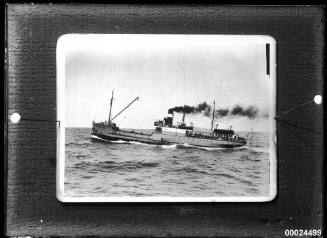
x=159 y=138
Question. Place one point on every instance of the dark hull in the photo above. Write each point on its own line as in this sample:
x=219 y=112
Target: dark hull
x=118 y=138
x=164 y=139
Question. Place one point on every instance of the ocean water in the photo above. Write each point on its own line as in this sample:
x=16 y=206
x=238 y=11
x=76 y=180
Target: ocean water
x=103 y=169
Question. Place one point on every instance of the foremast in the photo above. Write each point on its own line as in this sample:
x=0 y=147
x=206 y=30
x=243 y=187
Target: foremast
x=112 y=98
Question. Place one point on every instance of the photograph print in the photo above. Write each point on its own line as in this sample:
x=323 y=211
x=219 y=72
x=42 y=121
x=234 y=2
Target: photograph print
x=166 y=118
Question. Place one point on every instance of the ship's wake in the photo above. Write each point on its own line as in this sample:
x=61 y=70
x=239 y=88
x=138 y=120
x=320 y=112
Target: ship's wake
x=257 y=149
x=185 y=145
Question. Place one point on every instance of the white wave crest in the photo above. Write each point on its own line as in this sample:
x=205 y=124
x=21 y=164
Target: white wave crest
x=173 y=146
x=139 y=143
x=118 y=141
x=185 y=145
x=98 y=138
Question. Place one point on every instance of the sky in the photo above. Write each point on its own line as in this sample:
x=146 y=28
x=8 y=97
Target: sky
x=164 y=71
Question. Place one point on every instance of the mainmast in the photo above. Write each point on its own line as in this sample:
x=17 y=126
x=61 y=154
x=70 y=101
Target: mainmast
x=112 y=98
x=213 y=114
x=183 y=119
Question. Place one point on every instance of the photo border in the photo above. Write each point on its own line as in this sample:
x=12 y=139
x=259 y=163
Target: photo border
x=31 y=207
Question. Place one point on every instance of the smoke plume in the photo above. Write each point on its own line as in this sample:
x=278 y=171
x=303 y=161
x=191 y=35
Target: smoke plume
x=204 y=108
x=250 y=112
x=221 y=112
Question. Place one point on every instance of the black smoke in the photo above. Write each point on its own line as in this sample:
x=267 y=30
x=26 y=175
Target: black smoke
x=204 y=108
x=250 y=112
x=221 y=112
x=182 y=109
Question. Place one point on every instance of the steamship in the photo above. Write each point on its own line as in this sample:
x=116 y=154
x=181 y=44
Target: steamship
x=167 y=133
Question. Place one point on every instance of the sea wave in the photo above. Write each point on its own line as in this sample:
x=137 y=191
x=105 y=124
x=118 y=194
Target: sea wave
x=248 y=182
x=77 y=144
x=187 y=170
x=120 y=168
x=257 y=149
x=111 y=165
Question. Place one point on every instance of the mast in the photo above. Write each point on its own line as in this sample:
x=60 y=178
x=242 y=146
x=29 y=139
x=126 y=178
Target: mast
x=183 y=119
x=137 y=98
x=213 y=114
x=112 y=97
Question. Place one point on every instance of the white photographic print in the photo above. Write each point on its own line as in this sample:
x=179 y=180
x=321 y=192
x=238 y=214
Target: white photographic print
x=166 y=118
